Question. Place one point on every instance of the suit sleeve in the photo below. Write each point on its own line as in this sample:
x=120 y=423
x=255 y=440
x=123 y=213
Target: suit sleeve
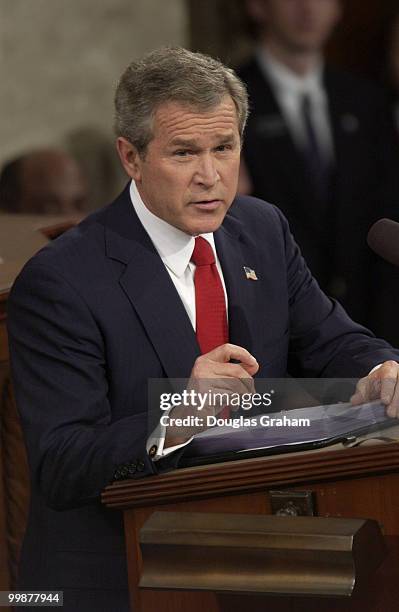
x=324 y=340
x=59 y=372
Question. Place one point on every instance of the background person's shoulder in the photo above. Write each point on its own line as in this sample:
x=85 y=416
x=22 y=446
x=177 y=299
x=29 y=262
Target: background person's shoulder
x=245 y=207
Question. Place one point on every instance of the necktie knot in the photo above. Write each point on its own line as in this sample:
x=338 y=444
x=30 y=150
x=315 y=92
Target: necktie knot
x=203 y=254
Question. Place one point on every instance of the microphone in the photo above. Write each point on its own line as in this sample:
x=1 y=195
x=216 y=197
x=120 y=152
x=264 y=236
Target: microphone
x=383 y=239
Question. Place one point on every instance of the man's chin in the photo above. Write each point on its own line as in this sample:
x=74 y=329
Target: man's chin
x=205 y=223
x=307 y=44
x=206 y=227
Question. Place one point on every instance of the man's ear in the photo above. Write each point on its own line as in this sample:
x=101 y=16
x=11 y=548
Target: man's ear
x=130 y=158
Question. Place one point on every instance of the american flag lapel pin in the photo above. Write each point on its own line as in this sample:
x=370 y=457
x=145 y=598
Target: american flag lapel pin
x=250 y=274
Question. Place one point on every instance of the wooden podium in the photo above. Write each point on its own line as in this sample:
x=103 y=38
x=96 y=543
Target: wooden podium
x=360 y=482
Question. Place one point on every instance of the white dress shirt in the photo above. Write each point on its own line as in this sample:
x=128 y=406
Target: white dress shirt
x=175 y=248
x=289 y=89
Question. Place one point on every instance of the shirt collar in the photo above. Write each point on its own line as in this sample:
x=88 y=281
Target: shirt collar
x=174 y=246
x=285 y=80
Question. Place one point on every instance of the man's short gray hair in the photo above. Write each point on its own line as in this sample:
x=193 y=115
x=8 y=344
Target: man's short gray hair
x=172 y=74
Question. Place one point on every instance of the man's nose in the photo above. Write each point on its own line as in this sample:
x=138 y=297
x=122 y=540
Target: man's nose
x=206 y=173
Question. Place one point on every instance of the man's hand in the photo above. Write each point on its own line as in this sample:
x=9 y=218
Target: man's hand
x=383 y=384
x=215 y=367
x=213 y=372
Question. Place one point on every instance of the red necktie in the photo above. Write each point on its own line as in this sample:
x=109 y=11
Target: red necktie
x=210 y=304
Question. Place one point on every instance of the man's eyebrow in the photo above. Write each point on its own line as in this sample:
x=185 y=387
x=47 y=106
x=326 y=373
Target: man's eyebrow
x=227 y=138
x=182 y=142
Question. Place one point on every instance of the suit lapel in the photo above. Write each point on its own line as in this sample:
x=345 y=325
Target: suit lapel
x=150 y=290
x=269 y=124
x=234 y=254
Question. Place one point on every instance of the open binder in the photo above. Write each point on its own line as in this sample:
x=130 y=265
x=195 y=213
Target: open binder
x=278 y=432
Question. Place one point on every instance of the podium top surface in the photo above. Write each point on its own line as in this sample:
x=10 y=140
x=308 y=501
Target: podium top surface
x=375 y=455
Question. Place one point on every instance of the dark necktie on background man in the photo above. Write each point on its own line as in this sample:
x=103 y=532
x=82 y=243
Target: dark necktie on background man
x=210 y=304
x=315 y=161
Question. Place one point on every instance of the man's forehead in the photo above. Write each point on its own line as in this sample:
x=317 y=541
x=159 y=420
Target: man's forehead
x=175 y=119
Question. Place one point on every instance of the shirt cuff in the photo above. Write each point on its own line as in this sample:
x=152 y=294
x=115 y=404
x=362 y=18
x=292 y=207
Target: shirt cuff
x=156 y=441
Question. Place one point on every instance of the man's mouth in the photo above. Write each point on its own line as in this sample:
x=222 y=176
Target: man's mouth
x=207 y=204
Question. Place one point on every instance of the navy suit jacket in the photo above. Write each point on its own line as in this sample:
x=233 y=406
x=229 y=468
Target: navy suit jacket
x=92 y=317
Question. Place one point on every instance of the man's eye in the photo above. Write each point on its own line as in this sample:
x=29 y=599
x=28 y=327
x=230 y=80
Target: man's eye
x=183 y=152
x=225 y=147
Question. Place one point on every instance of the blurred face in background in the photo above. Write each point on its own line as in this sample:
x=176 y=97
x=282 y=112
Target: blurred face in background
x=51 y=182
x=301 y=26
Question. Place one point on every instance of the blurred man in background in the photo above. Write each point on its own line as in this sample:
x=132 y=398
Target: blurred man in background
x=320 y=145
x=46 y=181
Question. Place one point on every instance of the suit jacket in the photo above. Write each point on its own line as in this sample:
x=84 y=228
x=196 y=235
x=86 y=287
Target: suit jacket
x=92 y=317
x=364 y=187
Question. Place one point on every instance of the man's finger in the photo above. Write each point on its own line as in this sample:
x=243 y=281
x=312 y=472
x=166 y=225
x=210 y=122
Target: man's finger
x=235 y=385
x=390 y=396
x=227 y=352
x=387 y=390
x=359 y=397
x=367 y=390
x=381 y=384
x=206 y=369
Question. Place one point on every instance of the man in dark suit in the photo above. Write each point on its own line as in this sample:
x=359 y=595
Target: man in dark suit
x=115 y=302
x=320 y=144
